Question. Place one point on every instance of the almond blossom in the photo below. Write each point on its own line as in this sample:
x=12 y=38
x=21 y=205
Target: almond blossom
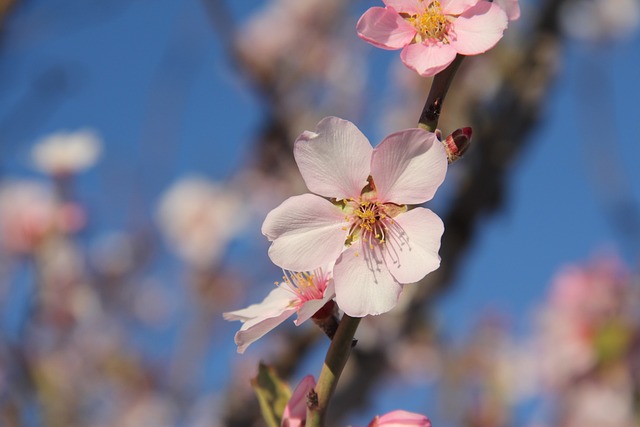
x=365 y=226
x=300 y=292
x=431 y=33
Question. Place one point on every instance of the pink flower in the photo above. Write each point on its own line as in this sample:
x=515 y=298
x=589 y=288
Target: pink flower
x=295 y=413
x=400 y=418
x=431 y=33
x=304 y=293
x=378 y=244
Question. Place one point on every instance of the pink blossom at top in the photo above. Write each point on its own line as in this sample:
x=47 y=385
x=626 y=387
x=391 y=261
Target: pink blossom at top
x=365 y=226
x=304 y=293
x=431 y=33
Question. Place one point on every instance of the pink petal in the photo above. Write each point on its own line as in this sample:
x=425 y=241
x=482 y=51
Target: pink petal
x=403 y=419
x=306 y=231
x=295 y=413
x=404 y=6
x=258 y=319
x=479 y=29
x=428 y=59
x=408 y=167
x=363 y=283
x=412 y=245
x=310 y=308
x=511 y=7
x=335 y=161
x=456 y=7
x=383 y=27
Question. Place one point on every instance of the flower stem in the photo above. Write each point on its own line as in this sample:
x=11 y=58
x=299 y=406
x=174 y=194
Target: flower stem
x=441 y=82
x=337 y=355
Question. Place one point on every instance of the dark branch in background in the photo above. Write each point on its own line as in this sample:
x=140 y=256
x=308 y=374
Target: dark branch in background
x=501 y=131
x=5 y=8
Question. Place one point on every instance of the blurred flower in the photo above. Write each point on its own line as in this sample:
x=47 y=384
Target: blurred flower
x=65 y=153
x=600 y=20
x=304 y=293
x=384 y=245
x=29 y=213
x=577 y=325
x=601 y=404
x=199 y=218
x=431 y=33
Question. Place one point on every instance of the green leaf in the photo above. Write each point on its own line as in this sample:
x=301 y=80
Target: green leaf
x=273 y=394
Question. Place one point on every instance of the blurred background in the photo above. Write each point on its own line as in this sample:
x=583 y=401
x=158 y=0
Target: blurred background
x=142 y=142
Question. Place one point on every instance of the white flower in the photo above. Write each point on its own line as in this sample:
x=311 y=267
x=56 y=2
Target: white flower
x=199 y=218
x=65 y=153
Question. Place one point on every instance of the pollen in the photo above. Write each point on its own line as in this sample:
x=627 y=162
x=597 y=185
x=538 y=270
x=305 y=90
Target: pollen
x=305 y=285
x=368 y=222
x=431 y=24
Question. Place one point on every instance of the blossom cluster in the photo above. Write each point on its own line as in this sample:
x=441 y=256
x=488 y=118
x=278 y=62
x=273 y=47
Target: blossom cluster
x=355 y=239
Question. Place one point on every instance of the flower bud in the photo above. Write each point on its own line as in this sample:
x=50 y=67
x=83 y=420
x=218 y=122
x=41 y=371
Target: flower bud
x=457 y=143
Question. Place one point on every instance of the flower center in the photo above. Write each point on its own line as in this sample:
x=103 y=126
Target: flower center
x=306 y=285
x=368 y=221
x=431 y=24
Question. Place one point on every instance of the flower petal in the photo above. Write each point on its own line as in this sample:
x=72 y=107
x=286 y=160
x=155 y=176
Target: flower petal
x=408 y=166
x=412 y=245
x=310 y=308
x=295 y=413
x=383 y=27
x=403 y=419
x=456 y=7
x=428 y=59
x=363 y=283
x=258 y=319
x=306 y=231
x=479 y=28
x=335 y=161
x=511 y=7
x=404 y=6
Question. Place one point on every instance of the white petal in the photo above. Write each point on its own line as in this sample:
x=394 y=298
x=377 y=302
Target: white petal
x=258 y=319
x=335 y=160
x=364 y=285
x=307 y=232
x=408 y=167
x=412 y=245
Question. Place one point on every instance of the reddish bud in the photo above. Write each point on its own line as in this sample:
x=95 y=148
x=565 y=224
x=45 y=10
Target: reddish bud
x=458 y=143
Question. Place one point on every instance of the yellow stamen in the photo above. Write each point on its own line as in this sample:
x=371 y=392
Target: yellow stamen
x=431 y=24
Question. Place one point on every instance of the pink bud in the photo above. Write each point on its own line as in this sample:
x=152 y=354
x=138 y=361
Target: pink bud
x=400 y=418
x=458 y=143
x=295 y=413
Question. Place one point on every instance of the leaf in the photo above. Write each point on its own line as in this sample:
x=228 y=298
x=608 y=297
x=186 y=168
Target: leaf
x=273 y=394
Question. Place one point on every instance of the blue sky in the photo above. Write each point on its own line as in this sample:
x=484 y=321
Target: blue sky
x=109 y=66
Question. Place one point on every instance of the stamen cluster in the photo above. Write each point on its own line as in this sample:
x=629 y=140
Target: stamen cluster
x=432 y=24
x=305 y=285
